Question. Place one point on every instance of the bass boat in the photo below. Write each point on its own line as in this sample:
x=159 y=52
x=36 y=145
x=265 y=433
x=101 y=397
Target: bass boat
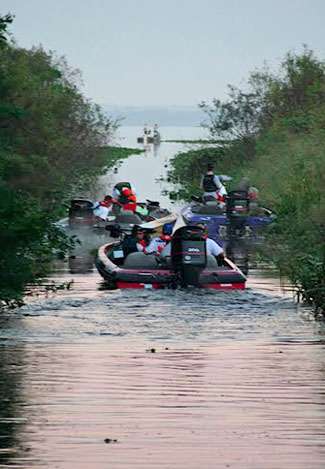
x=239 y=218
x=187 y=265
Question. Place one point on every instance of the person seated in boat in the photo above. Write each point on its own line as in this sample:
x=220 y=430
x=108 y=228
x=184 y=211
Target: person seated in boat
x=137 y=241
x=158 y=243
x=212 y=185
x=244 y=185
x=103 y=208
x=253 y=193
x=117 y=189
x=213 y=248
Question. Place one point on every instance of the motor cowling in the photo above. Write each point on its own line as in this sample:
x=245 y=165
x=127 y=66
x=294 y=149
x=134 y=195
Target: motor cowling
x=81 y=212
x=188 y=254
x=237 y=210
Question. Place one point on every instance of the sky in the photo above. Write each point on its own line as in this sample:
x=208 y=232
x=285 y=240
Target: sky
x=168 y=52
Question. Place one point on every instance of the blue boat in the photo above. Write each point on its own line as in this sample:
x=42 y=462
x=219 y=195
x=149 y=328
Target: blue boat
x=240 y=217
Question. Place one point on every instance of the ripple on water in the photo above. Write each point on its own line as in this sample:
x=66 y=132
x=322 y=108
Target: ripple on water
x=193 y=379
x=159 y=315
x=231 y=404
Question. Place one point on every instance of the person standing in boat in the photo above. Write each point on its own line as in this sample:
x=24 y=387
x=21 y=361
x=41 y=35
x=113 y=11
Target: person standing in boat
x=212 y=185
x=117 y=189
x=128 y=200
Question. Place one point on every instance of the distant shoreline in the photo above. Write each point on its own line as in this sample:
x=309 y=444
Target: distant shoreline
x=173 y=116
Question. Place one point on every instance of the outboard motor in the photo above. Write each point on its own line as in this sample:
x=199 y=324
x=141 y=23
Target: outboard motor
x=81 y=213
x=114 y=230
x=155 y=211
x=237 y=212
x=188 y=254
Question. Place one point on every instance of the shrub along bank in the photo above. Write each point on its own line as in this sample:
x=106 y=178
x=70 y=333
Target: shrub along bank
x=53 y=143
x=276 y=137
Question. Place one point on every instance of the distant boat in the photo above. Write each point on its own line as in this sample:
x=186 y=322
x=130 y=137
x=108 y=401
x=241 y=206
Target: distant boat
x=150 y=138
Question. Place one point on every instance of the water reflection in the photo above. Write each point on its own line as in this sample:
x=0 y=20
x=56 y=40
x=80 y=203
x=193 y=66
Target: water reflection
x=11 y=416
x=239 y=251
x=237 y=404
x=147 y=170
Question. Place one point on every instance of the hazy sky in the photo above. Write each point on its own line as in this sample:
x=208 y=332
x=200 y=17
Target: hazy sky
x=142 y=52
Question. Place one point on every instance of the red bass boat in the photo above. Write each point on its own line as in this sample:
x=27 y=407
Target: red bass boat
x=188 y=265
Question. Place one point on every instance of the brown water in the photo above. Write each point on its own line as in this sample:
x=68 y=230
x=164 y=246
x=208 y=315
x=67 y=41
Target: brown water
x=180 y=379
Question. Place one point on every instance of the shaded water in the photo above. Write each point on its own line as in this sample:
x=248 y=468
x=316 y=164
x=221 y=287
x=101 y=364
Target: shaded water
x=98 y=379
x=182 y=379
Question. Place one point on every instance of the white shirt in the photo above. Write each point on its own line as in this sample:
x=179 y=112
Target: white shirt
x=156 y=245
x=213 y=248
x=102 y=212
x=166 y=252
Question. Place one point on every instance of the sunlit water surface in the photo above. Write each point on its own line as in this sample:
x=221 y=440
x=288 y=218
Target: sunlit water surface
x=97 y=379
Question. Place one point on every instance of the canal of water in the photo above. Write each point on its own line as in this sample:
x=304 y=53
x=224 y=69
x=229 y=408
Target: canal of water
x=91 y=378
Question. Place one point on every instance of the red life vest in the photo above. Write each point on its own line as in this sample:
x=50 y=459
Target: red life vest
x=128 y=200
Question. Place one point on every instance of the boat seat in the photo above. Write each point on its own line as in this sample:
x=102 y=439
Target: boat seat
x=139 y=260
x=211 y=203
x=213 y=209
x=127 y=216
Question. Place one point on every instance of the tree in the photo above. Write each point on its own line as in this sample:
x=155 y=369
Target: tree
x=51 y=142
x=236 y=118
x=5 y=21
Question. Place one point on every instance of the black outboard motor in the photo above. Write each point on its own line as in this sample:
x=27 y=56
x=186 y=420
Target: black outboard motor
x=237 y=212
x=81 y=213
x=154 y=209
x=188 y=254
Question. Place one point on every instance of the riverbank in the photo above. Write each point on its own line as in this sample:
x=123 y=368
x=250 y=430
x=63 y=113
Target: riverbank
x=54 y=143
x=114 y=155
x=32 y=240
x=276 y=140
x=194 y=142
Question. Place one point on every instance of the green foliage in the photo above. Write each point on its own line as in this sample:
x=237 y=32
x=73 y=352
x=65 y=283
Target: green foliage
x=276 y=137
x=5 y=21
x=290 y=170
x=112 y=155
x=188 y=167
x=51 y=144
x=28 y=238
x=236 y=118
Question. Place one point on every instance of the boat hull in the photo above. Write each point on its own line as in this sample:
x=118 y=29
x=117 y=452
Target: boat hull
x=226 y=277
x=221 y=230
